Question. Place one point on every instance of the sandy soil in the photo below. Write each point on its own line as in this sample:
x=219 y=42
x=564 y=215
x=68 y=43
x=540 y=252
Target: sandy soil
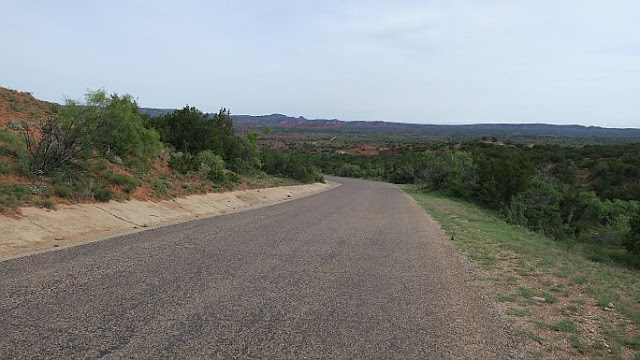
x=39 y=230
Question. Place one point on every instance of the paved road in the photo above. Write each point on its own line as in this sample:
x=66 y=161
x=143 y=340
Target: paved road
x=357 y=272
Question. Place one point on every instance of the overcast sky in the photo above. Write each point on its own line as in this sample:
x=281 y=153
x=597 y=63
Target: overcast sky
x=443 y=62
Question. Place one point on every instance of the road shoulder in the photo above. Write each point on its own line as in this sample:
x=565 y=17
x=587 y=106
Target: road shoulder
x=40 y=230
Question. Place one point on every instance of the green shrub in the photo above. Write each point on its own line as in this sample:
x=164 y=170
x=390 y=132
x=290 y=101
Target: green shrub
x=103 y=194
x=46 y=203
x=632 y=242
x=12 y=195
x=63 y=191
x=128 y=183
x=183 y=163
x=119 y=129
x=10 y=142
x=565 y=325
x=231 y=177
x=101 y=165
x=160 y=187
x=212 y=165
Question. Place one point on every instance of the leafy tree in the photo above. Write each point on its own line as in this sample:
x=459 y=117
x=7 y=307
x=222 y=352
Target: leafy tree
x=119 y=128
x=106 y=123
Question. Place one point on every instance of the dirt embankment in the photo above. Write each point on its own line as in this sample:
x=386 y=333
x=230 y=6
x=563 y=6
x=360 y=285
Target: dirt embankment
x=41 y=230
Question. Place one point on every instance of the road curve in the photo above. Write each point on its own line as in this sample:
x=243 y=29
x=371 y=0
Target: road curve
x=357 y=272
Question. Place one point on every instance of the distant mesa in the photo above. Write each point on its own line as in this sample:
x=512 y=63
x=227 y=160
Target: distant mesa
x=538 y=130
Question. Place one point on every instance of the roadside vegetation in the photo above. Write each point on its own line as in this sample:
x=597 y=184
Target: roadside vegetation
x=564 y=304
x=103 y=148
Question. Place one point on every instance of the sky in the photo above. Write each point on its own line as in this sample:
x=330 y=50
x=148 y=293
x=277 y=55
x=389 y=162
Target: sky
x=435 y=62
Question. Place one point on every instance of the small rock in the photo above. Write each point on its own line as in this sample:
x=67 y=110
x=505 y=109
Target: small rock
x=59 y=238
x=538 y=298
x=610 y=306
x=608 y=309
x=56 y=245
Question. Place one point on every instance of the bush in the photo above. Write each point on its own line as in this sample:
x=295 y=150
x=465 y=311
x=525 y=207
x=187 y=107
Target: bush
x=632 y=242
x=160 y=186
x=4 y=168
x=10 y=142
x=128 y=183
x=191 y=131
x=110 y=124
x=102 y=194
x=184 y=162
x=212 y=165
x=12 y=195
x=118 y=127
x=64 y=191
x=350 y=170
x=55 y=143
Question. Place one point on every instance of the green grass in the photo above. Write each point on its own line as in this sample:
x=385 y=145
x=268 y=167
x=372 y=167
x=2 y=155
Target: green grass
x=526 y=264
x=565 y=325
x=518 y=312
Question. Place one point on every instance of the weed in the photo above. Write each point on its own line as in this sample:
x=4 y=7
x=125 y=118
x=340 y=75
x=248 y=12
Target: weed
x=573 y=308
x=4 y=168
x=565 y=325
x=518 y=312
x=505 y=298
x=633 y=343
x=579 y=280
x=529 y=335
x=576 y=342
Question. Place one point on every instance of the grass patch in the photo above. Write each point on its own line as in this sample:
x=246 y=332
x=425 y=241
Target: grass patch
x=564 y=325
x=518 y=312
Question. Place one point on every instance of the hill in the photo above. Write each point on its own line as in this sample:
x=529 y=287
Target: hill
x=284 y=123
x=16 y=107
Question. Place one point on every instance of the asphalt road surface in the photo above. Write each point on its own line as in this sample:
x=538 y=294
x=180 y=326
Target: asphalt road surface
x=356 y=272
